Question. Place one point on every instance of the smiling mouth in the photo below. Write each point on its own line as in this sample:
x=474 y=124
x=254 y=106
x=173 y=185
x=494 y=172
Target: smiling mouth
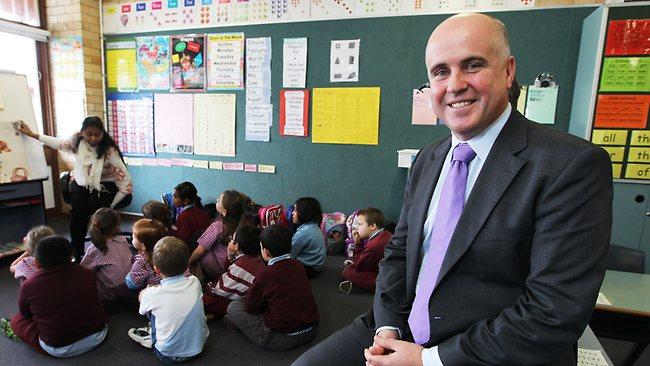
x=462 y=104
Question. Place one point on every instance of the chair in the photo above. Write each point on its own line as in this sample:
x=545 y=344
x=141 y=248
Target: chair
x=618 y=326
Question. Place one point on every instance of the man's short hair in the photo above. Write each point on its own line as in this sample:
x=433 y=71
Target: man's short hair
x=276 y=239
x=171 y=256
x=53 y=251
x=373 y=216
x=248 y=239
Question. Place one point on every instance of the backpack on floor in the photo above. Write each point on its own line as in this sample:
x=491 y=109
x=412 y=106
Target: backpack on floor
x=271 y=215
x=351 y=224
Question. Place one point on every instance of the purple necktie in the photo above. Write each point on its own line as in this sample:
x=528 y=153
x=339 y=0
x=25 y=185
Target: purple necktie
x=450 y=206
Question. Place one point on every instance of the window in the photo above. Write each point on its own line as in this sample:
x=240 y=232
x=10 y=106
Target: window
x=21 y=11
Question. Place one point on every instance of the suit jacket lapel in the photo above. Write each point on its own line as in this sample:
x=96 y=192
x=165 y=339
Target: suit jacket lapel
x=498 y=171
x=420 y=207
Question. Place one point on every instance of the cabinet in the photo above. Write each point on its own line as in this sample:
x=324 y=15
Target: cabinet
x=22 y=206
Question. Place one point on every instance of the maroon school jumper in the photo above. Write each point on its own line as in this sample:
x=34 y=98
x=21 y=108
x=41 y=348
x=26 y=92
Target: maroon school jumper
x=60 y=306
x=282 y=293
x=363 y=271
x=188 y=223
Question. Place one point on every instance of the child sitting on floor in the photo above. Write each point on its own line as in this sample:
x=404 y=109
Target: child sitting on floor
x=211 y=253
x=279 y=311
x=60 y=313
x=362 y=270
x=109 y=257
x=178 y=329
x=146 y=234
x=192 y=219
x=244 y=252
x=156 y=210
x=24 y=266
x=308 y=244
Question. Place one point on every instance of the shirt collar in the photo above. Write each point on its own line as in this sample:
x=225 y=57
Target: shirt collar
x=482 y=143
x=274 y=260
x=375 y=233
x=174 y=279
x=187 y=207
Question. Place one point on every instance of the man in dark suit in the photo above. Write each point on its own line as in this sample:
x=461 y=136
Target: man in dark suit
x=498 y=254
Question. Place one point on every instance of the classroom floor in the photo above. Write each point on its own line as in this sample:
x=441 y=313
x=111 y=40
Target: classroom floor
x=336 y=310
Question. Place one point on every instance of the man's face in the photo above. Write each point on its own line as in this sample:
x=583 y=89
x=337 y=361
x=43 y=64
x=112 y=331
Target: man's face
x=468 y=74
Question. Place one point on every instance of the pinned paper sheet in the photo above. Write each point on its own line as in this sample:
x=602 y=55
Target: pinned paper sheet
x=422 y=114
x=134 y=161
x=214 y=124
x=233 y=166
x=294 y=62
x=521 y=102
x=622 y=111
x=259 y=118
x=344 y=61
x=217 y=165
x=153 y=62
x=628 y=37
x=541 y=103
x=182 y=162
x=346 y=116
x=226 y=61
x=121 y=71
x=203 y=164
x=626 y=74
x=164 y=162
x=294 y=112
x=174 y=123
x=270 y=169
x=149 y=162
x=251 y=168
x=591 y=357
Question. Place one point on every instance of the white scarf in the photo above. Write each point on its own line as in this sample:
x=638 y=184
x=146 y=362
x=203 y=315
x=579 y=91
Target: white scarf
x=88 y=168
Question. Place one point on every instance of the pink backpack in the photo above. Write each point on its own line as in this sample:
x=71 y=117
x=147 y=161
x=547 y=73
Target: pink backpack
x=351 y=224
x=271 y=215
x=330 y=220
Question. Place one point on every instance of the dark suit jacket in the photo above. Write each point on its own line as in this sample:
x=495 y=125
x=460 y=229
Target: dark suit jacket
x=524 y=265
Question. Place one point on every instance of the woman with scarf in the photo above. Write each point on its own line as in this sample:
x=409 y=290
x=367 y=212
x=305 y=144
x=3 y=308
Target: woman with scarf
x=99 y=178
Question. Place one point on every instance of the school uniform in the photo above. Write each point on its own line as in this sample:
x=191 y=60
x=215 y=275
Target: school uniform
x=60 y=313
x=308 y=247
x=175 y=310
x=110 y=268
x=233 y=284
x=279 y=311
x=215 y=259
x=363 y=271
x=190 y=221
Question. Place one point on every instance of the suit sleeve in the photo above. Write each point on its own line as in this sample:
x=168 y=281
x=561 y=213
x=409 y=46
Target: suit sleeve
x=390 y=306
x=573 y=216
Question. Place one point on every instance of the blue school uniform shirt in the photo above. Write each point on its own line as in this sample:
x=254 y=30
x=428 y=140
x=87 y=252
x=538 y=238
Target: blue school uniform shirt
x=178 y=317
x=308 y=246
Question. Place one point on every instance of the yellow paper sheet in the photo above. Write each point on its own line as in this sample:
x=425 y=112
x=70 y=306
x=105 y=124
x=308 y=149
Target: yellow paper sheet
x=345 y=116
x=120 y=69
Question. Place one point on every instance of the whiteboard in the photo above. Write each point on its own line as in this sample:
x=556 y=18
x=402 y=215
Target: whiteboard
x=26 y=152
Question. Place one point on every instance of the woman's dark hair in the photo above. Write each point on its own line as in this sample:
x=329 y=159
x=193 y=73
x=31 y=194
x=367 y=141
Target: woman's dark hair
x=104 y=224
x=234 y=203
x=309 y=210
x=106 y=142
x=187 y=190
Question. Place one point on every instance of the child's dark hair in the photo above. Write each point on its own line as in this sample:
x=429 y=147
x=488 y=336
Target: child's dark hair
x=373 y=216
x=171 y=256
x=148 y=232
x=187 y=190
x=106 y=142
x=104 y=224
x=248 y=239
x=156 y=210
x=53 y=251
x=234 y=203
x=309 y=210
x=276 y=239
